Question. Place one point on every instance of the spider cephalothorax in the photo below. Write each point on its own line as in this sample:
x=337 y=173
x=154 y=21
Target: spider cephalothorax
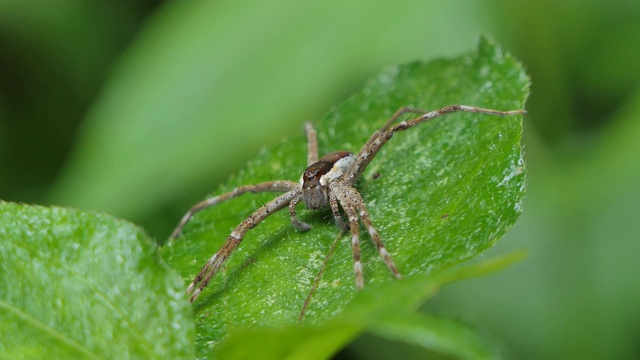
x=315 y=180
x=327 y=182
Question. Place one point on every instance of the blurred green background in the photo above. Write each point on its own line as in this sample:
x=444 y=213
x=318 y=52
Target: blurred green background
x=140 y=108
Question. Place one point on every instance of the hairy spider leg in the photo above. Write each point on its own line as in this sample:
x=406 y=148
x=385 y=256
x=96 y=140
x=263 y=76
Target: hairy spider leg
x=292 y=197
x=299 y=224
x=312 y=144
x=269 y=186
x=355 y=245
x=380 y=137
x=375 y=238
x=397 y=114
x=336 y=213
x=235 y=238
x=346 y=195
x=353 y=205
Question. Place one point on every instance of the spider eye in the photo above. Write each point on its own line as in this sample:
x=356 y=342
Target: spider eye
x=311 y=176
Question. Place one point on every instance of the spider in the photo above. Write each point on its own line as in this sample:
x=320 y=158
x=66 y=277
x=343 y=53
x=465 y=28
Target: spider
x=328 y=182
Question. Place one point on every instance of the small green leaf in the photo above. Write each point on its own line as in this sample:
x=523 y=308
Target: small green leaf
x=82 y=285
x=443 y=192
x=439 y=334
x=309 y=342
x=389 y=317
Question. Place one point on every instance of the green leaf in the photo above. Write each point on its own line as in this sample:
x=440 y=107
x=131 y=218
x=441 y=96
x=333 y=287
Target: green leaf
x=446 y=191
x=83 y=285
x=434 y=333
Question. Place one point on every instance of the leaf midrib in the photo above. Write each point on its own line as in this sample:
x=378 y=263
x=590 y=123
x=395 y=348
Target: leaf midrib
x=49 y=330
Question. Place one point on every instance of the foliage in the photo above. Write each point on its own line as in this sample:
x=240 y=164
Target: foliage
x=80 y=284
x=118 y=106
x=446 y=191
x=84 y=285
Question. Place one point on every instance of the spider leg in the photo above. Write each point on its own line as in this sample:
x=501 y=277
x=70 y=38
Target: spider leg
x=336 y=213
x=235 y=238
x=353 y=205
x=269 y=186
x=355 y=246
x=312 y=158
x=347 y=195
x=380 y=137
x=312 y=144
x=299 y=224
x=375 y=238
x=396 y=115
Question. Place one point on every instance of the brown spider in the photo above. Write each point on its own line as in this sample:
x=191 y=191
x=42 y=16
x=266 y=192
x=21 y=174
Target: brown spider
x=327 y=182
